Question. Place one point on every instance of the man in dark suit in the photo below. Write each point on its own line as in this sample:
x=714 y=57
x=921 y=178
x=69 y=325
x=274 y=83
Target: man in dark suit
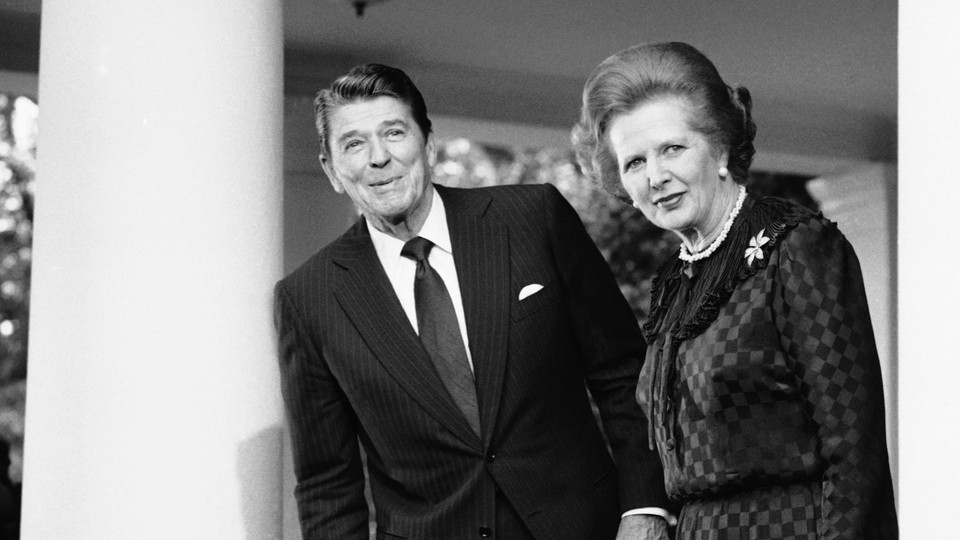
x=454 y=334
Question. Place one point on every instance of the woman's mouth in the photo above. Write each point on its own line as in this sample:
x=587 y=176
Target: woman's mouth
x=669 y=201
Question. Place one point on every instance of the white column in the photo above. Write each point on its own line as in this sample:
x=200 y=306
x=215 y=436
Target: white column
x=153 y=403
x=929 y=203
x=862 y=201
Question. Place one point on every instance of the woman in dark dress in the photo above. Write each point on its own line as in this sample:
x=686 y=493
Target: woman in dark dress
x=761 y=382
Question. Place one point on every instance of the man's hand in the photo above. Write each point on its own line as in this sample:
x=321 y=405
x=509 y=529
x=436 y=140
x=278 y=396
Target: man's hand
x=643 y=527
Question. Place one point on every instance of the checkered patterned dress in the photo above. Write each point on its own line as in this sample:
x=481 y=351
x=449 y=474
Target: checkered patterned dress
x=763 y=385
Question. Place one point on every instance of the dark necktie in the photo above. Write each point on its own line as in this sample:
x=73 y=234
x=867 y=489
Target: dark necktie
x=440 y=333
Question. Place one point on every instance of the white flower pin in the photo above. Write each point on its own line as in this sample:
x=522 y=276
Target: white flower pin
x=755 y=251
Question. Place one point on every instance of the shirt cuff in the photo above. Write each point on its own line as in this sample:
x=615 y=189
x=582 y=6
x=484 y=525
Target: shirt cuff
x=652 y=511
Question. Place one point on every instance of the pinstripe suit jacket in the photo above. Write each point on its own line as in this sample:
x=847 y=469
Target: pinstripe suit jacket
x=353 y=371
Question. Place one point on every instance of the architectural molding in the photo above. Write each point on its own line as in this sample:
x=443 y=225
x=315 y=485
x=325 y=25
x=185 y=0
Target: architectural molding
x=543 y=101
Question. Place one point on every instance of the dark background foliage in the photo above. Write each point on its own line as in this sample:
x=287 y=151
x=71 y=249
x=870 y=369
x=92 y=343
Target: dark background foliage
x=18 y=128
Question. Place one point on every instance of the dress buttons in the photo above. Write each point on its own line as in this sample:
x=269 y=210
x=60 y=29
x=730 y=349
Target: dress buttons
x=485 y=532
x=491 y=457
x=670 y=444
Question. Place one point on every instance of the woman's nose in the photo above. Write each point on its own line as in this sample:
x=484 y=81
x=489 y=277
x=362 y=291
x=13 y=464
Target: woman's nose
x=656 y=175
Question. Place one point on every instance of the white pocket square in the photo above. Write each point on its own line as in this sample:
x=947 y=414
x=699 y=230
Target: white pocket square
x=529 y=290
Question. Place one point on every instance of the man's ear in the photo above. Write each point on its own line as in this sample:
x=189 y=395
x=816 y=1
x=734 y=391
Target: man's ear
x=431 y=151
x=331 y=175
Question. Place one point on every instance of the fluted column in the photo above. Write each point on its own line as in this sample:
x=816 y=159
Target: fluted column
x=153 y=406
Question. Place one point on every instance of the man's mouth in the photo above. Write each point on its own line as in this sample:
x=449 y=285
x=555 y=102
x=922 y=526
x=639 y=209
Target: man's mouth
x=384 y=182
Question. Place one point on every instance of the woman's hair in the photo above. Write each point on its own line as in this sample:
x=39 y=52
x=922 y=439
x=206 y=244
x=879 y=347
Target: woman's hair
x=363 y=82
x=645 y=72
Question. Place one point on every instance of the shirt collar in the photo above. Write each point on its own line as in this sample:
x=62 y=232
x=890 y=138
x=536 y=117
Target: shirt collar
x=434 y=229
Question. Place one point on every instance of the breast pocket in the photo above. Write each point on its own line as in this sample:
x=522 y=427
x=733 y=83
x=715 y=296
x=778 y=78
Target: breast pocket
x=547 y=296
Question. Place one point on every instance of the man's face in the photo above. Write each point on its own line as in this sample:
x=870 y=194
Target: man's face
x=381 y=160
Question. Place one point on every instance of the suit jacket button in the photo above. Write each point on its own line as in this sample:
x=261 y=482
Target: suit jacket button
x=670 y=444
x=491 y=457
x=485 y=532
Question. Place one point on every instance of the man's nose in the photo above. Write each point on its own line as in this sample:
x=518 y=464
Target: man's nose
x=379 y=155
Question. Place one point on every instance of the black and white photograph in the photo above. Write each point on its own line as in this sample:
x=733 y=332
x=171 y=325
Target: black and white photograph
x=442 y=270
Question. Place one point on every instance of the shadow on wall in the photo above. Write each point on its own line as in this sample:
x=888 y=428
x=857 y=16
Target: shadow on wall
x=261 y=484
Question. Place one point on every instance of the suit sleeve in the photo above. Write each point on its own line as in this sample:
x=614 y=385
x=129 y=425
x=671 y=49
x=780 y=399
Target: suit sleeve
x=612 y=350
x=330 y=481
x=821 y=310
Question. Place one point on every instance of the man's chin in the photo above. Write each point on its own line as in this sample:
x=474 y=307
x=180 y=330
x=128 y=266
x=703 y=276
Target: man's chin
x=387 y=216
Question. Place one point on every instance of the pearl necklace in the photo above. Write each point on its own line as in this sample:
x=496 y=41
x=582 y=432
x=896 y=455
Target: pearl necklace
x=687 y=257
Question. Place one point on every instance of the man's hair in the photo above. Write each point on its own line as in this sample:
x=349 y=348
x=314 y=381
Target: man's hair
x=365 y=82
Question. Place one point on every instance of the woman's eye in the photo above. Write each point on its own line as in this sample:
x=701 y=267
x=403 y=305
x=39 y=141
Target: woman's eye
x=673 y=149
x=633 y=164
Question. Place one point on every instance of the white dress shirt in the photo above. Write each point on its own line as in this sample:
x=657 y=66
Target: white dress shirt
x=402 y=271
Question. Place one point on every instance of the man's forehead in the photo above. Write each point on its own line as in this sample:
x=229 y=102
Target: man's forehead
x=368 y=114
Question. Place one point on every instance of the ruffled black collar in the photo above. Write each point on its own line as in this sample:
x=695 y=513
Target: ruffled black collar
x=758 y=229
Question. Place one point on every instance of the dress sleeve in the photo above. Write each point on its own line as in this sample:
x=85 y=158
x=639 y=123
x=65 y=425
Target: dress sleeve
x=821 y=312
x=326 y=453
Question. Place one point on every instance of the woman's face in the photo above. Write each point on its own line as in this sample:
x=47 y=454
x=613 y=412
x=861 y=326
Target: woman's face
x=669 y=170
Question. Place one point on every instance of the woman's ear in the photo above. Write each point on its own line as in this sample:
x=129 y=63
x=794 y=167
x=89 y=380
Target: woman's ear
x=722 y=161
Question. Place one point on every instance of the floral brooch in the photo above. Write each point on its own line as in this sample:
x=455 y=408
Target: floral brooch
x=755 y=250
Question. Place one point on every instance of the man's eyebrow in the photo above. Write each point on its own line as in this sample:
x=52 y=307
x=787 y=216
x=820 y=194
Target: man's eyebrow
x=347 y=135
x=386 y=123
x=393 y=122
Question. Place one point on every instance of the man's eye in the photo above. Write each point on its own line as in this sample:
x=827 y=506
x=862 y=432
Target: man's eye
x=350 y=145
x=395 y=133
x=673 y=149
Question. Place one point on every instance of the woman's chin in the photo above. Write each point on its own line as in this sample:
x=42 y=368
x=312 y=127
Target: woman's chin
x=672 y=221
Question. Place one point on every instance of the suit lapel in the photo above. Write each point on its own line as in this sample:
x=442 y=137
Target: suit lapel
x=481 y=251
x=371 y=304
